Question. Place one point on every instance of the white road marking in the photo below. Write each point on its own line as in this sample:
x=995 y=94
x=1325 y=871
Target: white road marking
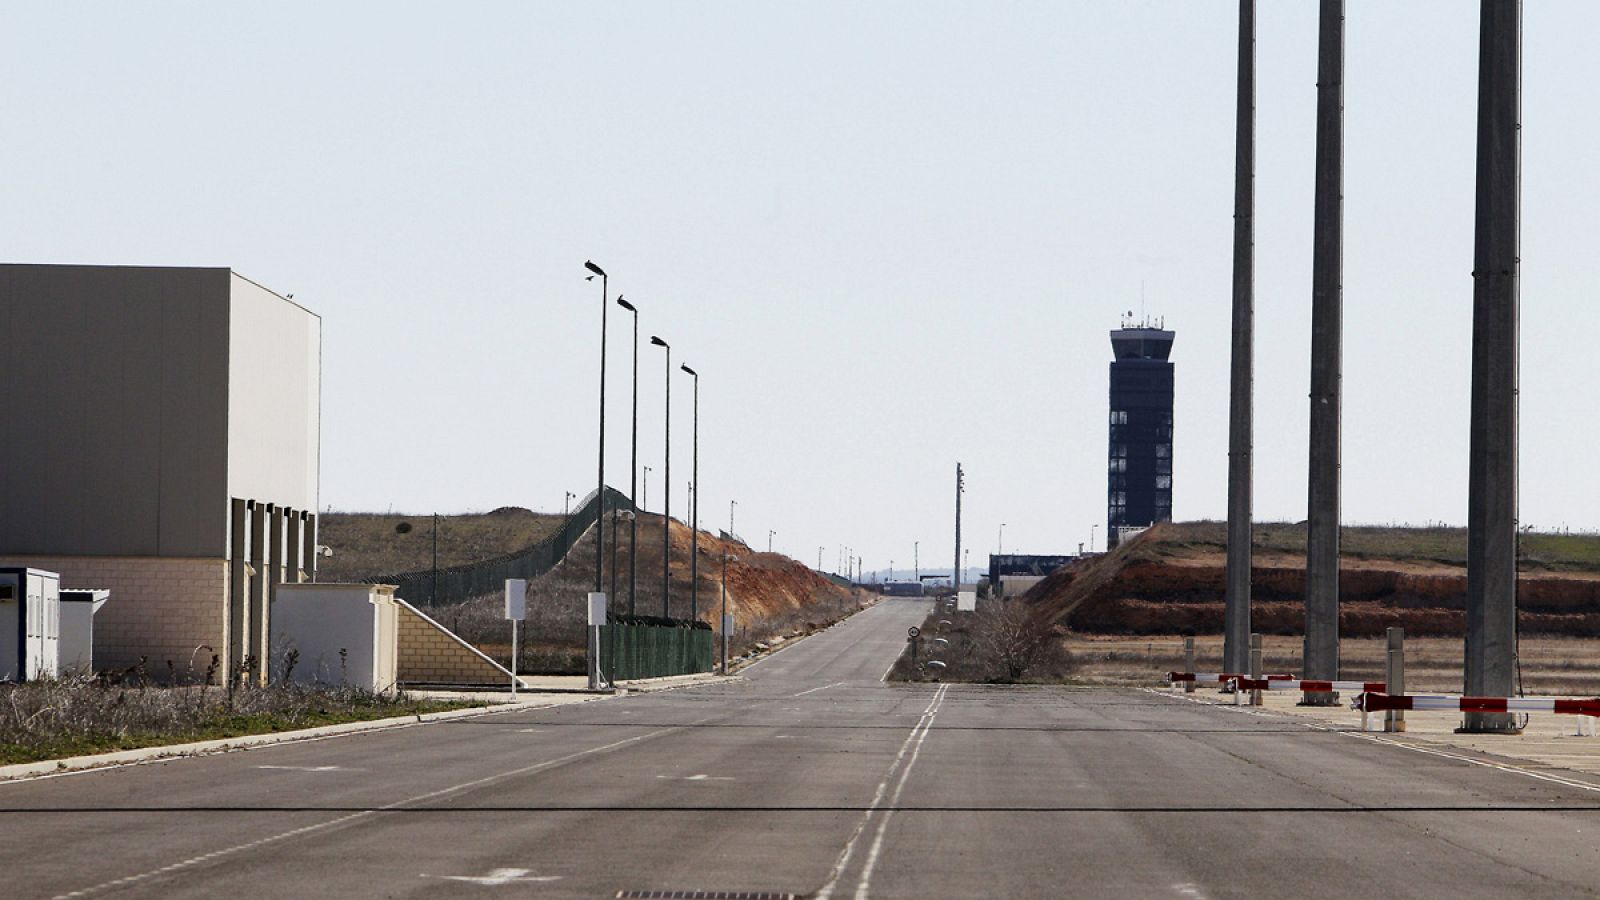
x=883 y=786
x=864 y=886
x=1189 y=889
x=698 y=777
x=310 y=768
x=497 y=877
x=1363 y=736
x=364 y=814
x=530 y=731
x=815 y=689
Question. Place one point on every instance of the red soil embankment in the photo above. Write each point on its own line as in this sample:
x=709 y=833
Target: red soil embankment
x=1165 y=582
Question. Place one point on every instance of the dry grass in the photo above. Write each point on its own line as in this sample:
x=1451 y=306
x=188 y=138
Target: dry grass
x=1562 y=666
x=372 y=544
x=997 y=644
x=54 y=719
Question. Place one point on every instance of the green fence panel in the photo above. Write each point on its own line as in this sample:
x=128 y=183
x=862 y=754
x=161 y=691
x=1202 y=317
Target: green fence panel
x=629 y=651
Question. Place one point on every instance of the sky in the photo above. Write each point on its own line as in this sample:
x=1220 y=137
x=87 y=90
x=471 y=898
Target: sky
x=889 y=236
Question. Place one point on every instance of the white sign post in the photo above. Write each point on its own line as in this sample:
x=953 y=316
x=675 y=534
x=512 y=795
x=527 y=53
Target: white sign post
x=966 y=601
x=727 y=631
x=597 y=617
x=516 y=611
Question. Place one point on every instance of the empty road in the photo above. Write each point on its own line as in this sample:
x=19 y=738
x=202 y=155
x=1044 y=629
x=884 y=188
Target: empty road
x=809 y=776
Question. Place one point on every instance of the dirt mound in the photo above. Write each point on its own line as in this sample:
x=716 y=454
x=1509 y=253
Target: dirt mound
x=1172 y=579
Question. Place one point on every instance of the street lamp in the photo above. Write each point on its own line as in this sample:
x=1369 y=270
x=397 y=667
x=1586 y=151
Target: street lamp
x=1002 y=540
x=694 y=514
x=770 y=533
x=916 y=561
x=731 y=505
x=644 y=490
x=633 y=470
x=1091 y=537
x=600 y=488
x=566 y=504
x=666 y=505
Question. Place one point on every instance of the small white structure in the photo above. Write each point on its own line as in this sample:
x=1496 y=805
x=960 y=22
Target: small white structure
x=338 y=634
x=78 y=608
x=30 y=624
x=966 y=601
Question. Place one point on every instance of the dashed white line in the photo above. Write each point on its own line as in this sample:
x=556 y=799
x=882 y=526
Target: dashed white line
x=815 y=689
x=366 y=813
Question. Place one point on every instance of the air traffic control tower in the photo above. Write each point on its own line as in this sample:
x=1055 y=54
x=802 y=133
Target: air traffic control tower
x=1139 y=465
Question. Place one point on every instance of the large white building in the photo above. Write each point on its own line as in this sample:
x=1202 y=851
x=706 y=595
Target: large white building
x=162 y=441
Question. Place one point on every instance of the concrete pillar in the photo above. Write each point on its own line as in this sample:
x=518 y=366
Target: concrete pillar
x=308 y=537
x=291 y=547
x=1322 y=517
x=1257 y=667
x=255 y=647
x=1394 y=677
x=238 y=587
x=1236 y=613
x=1188 y=663
x=1492 y=491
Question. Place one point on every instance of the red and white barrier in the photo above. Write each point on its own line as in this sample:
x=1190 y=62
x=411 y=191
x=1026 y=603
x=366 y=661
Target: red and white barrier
x=1308 y=685
x=1377 y=701
x=1217 y=677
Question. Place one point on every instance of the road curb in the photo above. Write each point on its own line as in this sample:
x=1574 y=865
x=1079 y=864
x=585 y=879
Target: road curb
x=46 y=767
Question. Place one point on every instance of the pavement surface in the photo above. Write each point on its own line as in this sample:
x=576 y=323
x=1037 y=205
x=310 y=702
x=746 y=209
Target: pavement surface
x=808 y=775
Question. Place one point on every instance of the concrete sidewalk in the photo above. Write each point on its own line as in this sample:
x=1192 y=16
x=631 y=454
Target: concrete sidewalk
x=1548 y=740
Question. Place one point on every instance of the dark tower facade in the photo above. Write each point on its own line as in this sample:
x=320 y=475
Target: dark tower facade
x=1139 y=461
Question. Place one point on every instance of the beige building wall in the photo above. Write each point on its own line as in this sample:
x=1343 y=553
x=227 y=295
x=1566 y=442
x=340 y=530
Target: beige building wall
x=145 y=399
x=432 y=654
x=160 y=609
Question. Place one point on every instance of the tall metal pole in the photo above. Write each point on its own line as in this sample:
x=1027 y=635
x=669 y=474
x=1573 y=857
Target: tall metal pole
x=433 y=598
x=956 y=580
x=600 y=480
x=694 y=515
x=666 y=504
x=1327 y=259
x=633 y=471
x=1491 y=644
x=1236 y=613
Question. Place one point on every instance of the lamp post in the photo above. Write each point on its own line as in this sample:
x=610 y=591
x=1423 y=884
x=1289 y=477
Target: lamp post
x=600 y=480
x=731 y=505
x=694 y=514
x=1091 y=537
x=644 y=490
x=770 y=533
x=666 y=505
x=1002 y=539
x=633 y=471
x=916 y=561
x=819 y=559
x=566 y=504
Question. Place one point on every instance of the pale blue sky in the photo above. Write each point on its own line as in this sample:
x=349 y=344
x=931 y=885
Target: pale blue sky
x=889 y=235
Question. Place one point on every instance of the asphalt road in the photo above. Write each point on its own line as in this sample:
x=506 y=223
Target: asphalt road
x=810 y=776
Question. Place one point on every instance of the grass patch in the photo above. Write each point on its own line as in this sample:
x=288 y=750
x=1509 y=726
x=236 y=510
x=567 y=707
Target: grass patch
x=56 y=719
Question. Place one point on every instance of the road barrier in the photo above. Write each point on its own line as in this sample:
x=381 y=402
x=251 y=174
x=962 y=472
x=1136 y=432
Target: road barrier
x=1219 y=678
x=1308 y=685
x=1377 y=701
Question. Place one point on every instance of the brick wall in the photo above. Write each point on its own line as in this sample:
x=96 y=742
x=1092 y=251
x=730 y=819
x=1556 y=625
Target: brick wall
x=159 y=608
x=431 y=654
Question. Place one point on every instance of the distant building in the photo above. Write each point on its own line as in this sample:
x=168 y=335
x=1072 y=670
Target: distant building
x=162 y=443
x=1139 y=465
x=1012 y=573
